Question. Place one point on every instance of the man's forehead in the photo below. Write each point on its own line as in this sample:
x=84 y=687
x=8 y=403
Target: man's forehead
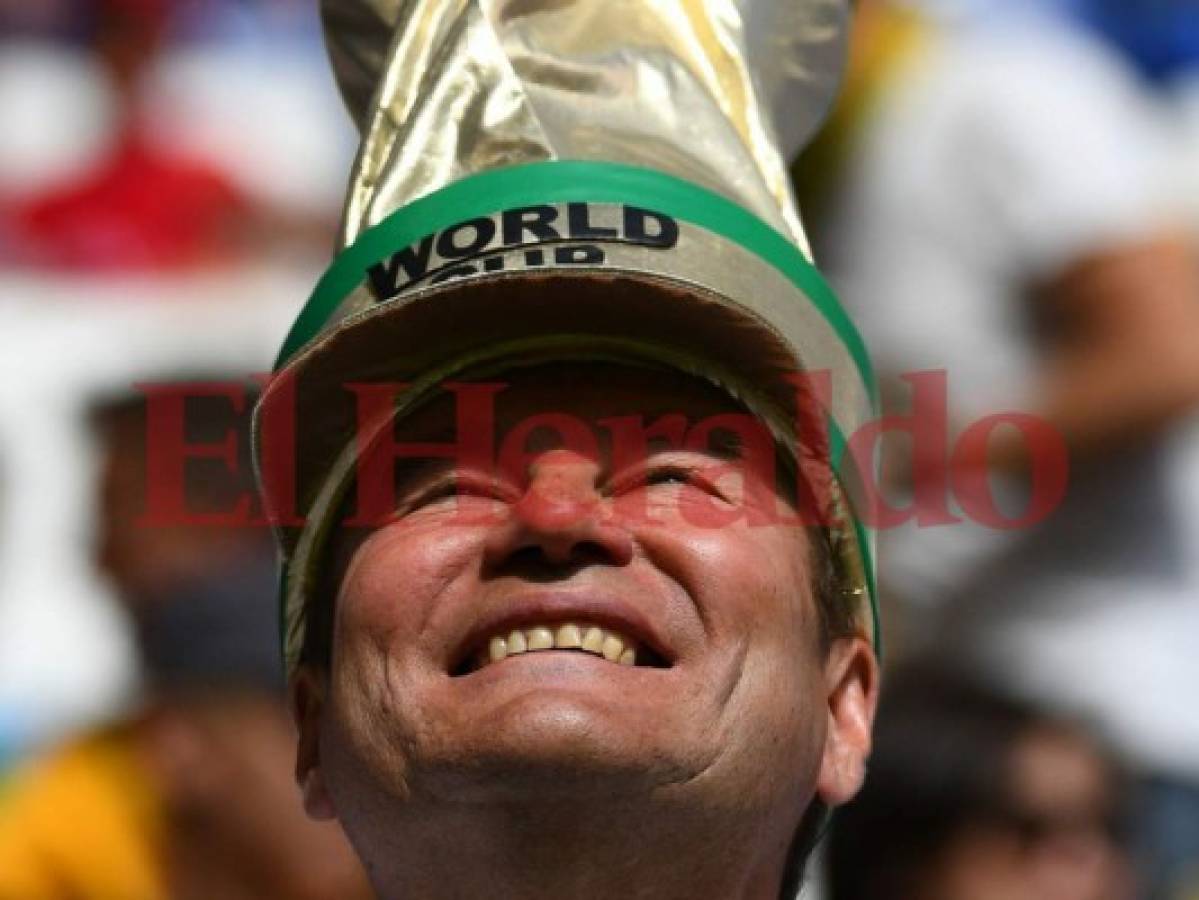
x=547 y=399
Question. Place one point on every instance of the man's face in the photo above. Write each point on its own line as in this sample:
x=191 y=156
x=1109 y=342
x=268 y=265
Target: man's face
x=455 y=667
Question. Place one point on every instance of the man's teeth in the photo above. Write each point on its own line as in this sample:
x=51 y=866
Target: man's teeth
x=604 y=642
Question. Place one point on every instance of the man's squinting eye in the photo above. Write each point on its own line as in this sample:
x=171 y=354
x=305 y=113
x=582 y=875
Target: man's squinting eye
x=445 y=488
x=450 y=486
x=674 y=474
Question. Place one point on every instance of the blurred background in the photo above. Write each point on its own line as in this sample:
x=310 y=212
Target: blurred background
x=171 y=174
x=1007 y=193
x=1006 y=196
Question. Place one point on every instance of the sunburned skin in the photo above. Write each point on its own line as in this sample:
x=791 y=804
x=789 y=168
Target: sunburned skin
x=589 y=698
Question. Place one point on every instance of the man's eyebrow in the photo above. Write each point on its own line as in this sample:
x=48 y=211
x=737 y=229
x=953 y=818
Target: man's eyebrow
x=722 y=444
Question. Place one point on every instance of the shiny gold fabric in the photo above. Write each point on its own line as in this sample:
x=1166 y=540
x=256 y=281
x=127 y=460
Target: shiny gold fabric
x=445 y=88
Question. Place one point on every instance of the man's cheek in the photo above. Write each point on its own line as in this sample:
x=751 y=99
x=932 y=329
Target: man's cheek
x=383 y=608
x=370 y=722
x=747 y=575
x=362 y=764
x=784 y=587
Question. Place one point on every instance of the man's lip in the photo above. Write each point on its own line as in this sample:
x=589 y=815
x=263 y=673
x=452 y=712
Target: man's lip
x=541 y=608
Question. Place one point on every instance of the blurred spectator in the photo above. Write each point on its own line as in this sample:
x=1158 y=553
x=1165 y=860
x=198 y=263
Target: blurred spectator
x=226 y=144
x=998 y=209
x=1161 y=40
x=50 y=18
x=1160 y=36
x=39 y=152
x=972 y=796
x=170 y=177
x=141 y=208
x=191 y=796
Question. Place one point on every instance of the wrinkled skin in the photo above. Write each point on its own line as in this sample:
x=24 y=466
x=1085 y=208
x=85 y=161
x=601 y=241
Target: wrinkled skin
x=558 y=773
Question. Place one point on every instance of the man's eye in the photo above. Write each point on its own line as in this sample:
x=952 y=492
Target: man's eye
x=686 y=479
x=670 y=475
x=663 y=473
x=682 y=476
x=450 y=489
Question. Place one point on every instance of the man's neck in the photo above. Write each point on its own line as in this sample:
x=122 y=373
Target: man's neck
x=561 y=849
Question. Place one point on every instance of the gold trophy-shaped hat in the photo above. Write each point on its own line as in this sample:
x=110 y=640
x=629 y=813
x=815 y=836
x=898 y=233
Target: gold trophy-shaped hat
x=569 y=179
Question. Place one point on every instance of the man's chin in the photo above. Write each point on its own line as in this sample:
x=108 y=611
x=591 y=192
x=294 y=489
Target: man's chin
x=519 y=773
x=562 y=740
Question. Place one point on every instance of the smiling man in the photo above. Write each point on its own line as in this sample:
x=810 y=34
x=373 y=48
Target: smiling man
x=573 y=677
x=575 y=601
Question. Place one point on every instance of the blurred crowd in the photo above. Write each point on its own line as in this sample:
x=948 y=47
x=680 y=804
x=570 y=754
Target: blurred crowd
x=170 y=181
x=1006 y=198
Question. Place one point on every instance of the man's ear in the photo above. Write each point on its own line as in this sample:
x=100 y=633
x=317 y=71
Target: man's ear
x=851 y=678
x=306 y=697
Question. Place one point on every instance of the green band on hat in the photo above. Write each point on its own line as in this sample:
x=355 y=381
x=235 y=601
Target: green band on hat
x=562 y=181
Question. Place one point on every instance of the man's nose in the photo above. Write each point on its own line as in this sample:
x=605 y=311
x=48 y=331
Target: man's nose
x=560 y=518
